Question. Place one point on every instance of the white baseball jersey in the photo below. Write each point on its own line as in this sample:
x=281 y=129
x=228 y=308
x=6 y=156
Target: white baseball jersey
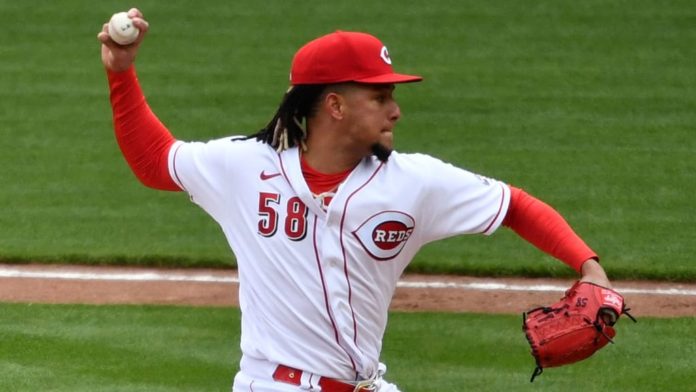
x=315 y=285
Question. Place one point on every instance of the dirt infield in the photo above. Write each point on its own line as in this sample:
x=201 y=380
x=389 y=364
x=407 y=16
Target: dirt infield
x=114 y=285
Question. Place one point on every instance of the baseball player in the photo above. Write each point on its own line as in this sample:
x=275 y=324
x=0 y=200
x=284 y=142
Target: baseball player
x=322 y=215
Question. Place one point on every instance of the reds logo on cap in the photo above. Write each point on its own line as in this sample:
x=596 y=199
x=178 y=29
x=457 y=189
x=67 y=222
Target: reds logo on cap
x=345 y=56
x=384 y=235
x=384 y=54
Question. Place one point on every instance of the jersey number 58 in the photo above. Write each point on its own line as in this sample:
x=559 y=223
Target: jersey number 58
x=295 y=216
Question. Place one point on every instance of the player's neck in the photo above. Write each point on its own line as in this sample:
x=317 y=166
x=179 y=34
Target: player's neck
x=327 y=155
x=321 y=183
x=329 y=149
x=330 y=163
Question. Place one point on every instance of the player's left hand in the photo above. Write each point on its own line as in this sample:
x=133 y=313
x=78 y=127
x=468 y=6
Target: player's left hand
x=117 y=57
x=575 y=327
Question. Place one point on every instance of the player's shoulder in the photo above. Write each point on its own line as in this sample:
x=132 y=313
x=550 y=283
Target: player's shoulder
x=239 y=145
x=441 y=174
x=238 y=141
x=414 y=161
x=225 y=152
x=419 y=165
x=246 y=143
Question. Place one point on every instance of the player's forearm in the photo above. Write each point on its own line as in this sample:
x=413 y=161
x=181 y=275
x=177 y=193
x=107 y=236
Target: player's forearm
x=545 y=228
x=143 y=139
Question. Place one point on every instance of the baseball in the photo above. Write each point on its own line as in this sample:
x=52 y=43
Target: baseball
x=121 y=29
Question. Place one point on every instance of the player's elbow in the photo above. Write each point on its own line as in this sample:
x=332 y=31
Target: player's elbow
x=155 y=177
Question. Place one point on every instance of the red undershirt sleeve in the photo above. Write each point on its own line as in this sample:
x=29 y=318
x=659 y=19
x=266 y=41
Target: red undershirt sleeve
x=143 y=139
x=545 y=228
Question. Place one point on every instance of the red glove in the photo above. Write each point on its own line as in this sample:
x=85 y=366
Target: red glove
x=573 y=328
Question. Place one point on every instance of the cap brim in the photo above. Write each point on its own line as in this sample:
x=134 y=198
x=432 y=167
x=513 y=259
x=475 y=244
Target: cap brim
x=391 y=78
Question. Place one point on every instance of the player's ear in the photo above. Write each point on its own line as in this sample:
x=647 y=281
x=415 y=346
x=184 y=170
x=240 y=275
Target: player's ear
x=334 y=104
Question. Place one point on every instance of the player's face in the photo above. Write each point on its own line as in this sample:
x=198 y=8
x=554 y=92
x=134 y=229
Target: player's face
x=371 y=114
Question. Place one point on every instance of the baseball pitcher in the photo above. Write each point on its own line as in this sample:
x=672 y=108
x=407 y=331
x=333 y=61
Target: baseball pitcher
x=322 y=214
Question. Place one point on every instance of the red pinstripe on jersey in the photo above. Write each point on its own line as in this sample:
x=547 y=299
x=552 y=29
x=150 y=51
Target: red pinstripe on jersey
x=343 y=249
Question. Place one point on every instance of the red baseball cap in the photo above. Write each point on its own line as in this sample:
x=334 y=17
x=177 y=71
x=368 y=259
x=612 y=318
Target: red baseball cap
x=345 y=56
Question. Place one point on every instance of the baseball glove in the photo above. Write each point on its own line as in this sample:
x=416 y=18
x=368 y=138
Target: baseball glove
x=575 y=327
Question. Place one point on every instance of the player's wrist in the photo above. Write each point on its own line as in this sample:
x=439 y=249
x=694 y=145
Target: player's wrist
x=592 y=272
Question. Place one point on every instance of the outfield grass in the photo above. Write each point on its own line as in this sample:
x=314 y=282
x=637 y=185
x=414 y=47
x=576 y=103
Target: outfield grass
x=588 y=105
x=154 y=348
x=112 y=348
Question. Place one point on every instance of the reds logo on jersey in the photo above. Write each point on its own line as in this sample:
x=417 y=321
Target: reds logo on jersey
x=384 y=235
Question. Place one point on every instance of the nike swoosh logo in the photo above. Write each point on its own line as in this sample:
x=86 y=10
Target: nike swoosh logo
x=265 y=176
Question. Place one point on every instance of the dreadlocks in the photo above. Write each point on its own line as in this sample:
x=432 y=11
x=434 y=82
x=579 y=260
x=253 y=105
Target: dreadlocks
x=288 y=126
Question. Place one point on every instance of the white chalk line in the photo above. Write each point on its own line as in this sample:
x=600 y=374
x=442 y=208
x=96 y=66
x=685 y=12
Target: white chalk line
x=11 y=272
x=497 y=286
x=8 y=272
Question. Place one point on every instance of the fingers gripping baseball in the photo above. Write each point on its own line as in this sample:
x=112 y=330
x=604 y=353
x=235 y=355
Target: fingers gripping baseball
x=119 y=57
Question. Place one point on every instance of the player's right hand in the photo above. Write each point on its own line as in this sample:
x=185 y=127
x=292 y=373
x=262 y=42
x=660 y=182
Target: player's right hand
x=117 y=57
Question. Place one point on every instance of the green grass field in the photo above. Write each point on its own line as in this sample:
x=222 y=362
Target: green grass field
x=153 y=348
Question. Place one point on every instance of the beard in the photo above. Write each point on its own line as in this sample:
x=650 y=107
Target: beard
x=381 y=152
